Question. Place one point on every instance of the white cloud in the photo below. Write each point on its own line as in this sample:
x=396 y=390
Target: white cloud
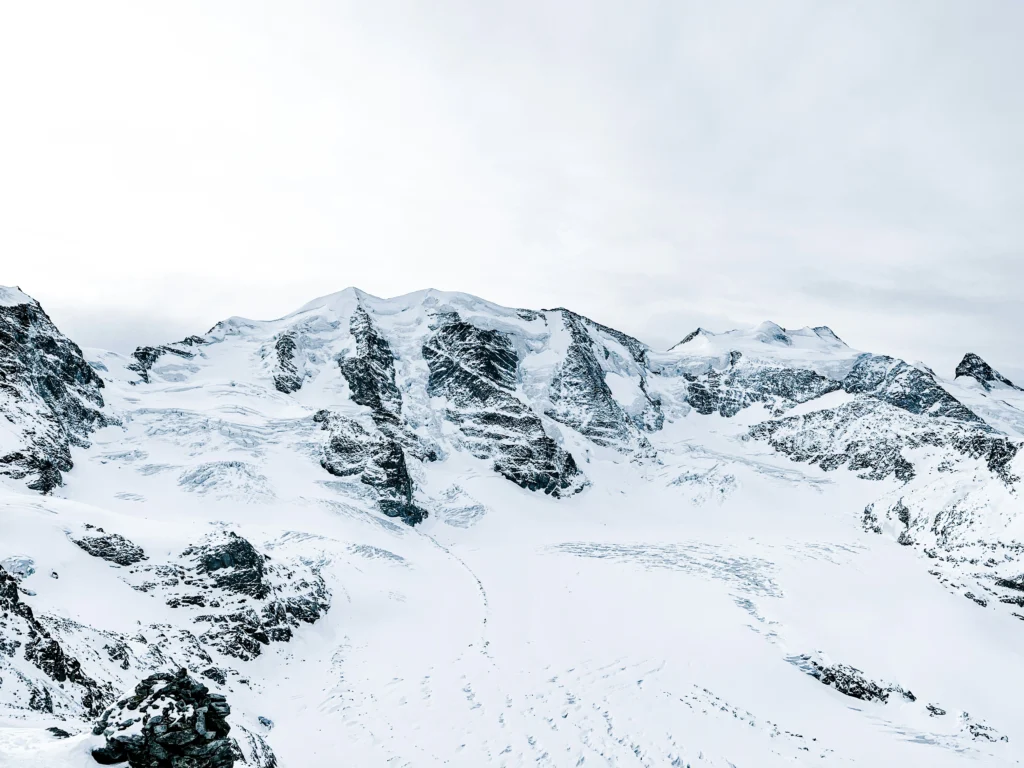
x=653 y=165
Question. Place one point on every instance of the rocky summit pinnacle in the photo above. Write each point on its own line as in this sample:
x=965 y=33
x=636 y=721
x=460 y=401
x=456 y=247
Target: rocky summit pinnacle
x=976 y=368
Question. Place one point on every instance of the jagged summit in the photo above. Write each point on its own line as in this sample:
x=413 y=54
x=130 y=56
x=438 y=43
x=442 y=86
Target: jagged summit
x=974 y=367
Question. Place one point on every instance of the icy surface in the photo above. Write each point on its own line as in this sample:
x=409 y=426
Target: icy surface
x=11 y=296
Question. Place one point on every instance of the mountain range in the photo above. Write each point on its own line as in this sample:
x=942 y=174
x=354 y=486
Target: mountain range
x=432 y=530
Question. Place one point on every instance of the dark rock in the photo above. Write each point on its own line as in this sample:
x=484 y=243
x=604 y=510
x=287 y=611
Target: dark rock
x=744 y=384
x=112 y=547
x=849 y=681
x=581 y=398
x=58 y=733
x=216 y=674
x=170 y=721
x=370 y=373
x=43 y=650
x=982 y=732
x=245 y=601
x=904 y=386
x=233 y=564
x=286 y=376
x=377 y=460
x=934 y=710
x=870 y=436
x=266 y=722
x=1013 y=583
x=637 y=349
x=475 y=370
x=119 y=652
x=977 y=369
x=48 y=392
x=146 y=357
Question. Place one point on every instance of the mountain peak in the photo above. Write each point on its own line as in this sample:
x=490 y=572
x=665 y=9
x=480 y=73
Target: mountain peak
x=12 y=296
x=973 y=366
x=690 y=337
x=770 y=334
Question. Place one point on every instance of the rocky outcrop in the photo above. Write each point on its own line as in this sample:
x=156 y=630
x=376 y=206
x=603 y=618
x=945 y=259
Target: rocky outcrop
x=241 y=599
x=745 y=383
x=875 y=440
x=48 y=393
x=475 y=370
x=975 y=368
x=111 y=547
x=581 y=398
x=286 y=375
x=906 y=387
x=63 y=687
x=170 y=721
x=370 y=373
x=849 y=681
x=147 y=357
x=374 y=459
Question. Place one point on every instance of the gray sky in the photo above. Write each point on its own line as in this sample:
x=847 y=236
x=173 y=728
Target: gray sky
x=656 y=166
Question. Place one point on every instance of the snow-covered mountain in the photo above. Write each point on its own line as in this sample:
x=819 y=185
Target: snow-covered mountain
x=432 y=530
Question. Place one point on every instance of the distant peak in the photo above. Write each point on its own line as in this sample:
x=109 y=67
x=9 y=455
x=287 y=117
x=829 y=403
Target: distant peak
x=690 y=337
x=824 y=332
x=976 y=368
x=348 y=297
x=12 y=296
x=772 y=333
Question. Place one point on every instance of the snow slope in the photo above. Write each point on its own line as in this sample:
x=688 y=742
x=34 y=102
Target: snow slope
x=489 y=536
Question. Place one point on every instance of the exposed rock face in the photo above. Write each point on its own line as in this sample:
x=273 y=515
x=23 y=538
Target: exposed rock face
x=475 y=370
x=370 y=373
x=170 y=721
x=112 y=547
x=580 y=395
x=286 y=377
x=849 y=681
x=743 y=384
x=977 y=369
x=375 y=459
x=906 y=387
x=871 y=437
x=233 y=565
x=147 y=357
x=66 y=687
x=48 y=392
x=244 y=600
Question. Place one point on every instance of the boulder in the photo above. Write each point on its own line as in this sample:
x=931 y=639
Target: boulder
x=170 y=721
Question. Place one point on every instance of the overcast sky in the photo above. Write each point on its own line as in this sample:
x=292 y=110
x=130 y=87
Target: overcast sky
x=656 y=166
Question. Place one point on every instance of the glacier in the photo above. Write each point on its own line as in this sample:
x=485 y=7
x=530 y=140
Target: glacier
x=432 y=530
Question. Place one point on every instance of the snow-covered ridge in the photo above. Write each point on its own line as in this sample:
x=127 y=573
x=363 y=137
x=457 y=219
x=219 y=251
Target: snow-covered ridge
x=11 y=296
x=432 y=526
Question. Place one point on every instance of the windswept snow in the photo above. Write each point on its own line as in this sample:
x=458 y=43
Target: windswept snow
x=12 y=297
